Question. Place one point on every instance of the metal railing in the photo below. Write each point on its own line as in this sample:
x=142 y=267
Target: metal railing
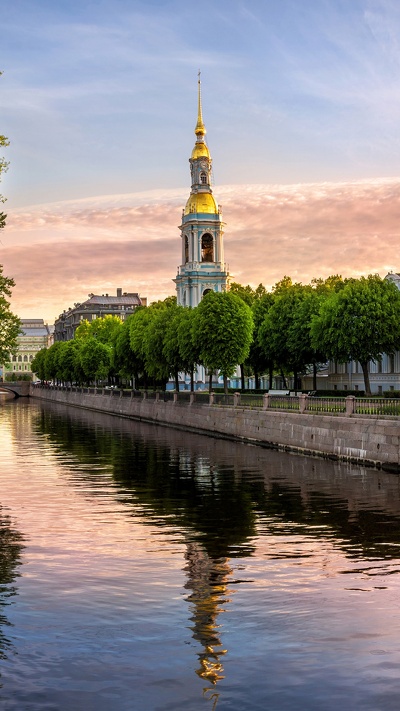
x=249 y=400
x=303 y=404
x=325 y=404
x=283 y=402
x=377 y=406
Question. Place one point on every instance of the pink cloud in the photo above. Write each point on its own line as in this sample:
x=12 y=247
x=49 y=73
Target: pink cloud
x=57 y=254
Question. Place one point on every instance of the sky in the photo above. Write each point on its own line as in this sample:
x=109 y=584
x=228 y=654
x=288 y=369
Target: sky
x=301 y=101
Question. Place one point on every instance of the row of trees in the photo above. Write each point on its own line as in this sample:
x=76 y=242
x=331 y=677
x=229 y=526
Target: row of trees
x=289 y=330
x=155 y=343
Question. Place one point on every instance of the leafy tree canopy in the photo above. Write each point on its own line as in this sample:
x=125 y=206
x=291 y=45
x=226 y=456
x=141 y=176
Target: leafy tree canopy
x=105 y=329
x=10 y=325
x=359 y=322
x=222 y=331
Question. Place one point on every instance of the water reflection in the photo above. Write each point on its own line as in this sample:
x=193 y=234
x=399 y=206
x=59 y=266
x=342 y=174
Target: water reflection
x=223 y=501
x=10 y=558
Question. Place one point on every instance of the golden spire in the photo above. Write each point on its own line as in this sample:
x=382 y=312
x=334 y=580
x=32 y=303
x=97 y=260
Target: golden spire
x=200 y=129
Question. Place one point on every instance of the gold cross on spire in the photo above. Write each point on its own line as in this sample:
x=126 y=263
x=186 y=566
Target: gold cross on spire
x=200 y=129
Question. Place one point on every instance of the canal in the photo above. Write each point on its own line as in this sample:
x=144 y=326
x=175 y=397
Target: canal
x=142 y=568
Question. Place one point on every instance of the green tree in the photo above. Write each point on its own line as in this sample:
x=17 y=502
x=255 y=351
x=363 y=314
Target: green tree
x=105 y=329
x=359 y=322
x=260 y=359
x=10 y=325
x=171 y=348
x=223 y=329
x=275 y=329
x=95 y=359
x=124 y=360
x=299 y=333
x=251 y=297
x=188 y=349
x=160 y=362
x=38 y=364
x=51 y=362
x=68 y=361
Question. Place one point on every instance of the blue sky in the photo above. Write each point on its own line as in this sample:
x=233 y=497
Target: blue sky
x=99 y=98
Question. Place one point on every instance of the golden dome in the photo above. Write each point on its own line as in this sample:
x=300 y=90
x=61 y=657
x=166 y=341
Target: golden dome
x=201 y=202
x=200 y=150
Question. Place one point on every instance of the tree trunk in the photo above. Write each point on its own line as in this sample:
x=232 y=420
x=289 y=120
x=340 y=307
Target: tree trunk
x=241 y=377
x=314 y=376
x=364 y=366
x=192 y=380
x=295 y=380
x=257 y=380
x=210 y=381
x=176 y=381
x=270 y=377
x=283 y=378
x=225 y=384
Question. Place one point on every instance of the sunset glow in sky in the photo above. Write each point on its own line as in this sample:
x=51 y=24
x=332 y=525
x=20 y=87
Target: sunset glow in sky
x=301 y=101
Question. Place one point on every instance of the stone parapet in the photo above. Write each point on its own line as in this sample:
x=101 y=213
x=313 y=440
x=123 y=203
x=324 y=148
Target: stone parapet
x=374 y=441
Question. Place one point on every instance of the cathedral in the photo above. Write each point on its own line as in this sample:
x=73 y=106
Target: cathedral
x=202 y=266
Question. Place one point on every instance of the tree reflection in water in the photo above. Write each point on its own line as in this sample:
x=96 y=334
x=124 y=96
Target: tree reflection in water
x=219 y=495
x=10 y=558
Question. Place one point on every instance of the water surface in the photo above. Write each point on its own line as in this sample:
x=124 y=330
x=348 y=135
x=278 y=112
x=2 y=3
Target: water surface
x=145 y=568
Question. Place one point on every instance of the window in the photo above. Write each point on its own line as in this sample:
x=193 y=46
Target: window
x=25 y=358
x=203 y=178
x=207 y=248
x=19 y=359
x=379 y=389
x=206 y=291
x=186 y=249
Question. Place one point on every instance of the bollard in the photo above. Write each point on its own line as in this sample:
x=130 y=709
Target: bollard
x=265 y=401
x=211 y=399
x=191 y=398
x=350 y=405
x=303 y=397
x=158 y=396
x=236 y=399
x=144 y=394
x=175 y=398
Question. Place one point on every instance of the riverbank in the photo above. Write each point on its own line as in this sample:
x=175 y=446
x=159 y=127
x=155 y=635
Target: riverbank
x=372 y=441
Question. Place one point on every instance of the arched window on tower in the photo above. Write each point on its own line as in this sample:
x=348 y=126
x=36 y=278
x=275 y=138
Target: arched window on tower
x=206 y=291
x=203 y=178
x=186 y=249
x=207 y=248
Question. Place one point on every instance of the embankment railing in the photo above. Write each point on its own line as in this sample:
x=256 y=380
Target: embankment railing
x=302 y=403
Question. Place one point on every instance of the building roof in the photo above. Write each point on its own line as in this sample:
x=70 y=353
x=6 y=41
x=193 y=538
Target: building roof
x=43 y=331
x=127 y=300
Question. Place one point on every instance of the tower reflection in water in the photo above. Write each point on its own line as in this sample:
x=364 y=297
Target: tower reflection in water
x=208 y=580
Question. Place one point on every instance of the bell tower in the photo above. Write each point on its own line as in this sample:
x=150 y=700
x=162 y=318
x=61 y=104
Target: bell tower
x=202 y=267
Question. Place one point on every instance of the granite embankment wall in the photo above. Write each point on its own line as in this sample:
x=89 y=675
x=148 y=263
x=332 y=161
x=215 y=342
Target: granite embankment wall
x=372 y=440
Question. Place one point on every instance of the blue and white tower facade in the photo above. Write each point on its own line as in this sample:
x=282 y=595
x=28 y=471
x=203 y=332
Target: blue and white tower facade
x=202 y=268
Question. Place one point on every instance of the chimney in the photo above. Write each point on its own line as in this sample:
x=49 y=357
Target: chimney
x=119 y=292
